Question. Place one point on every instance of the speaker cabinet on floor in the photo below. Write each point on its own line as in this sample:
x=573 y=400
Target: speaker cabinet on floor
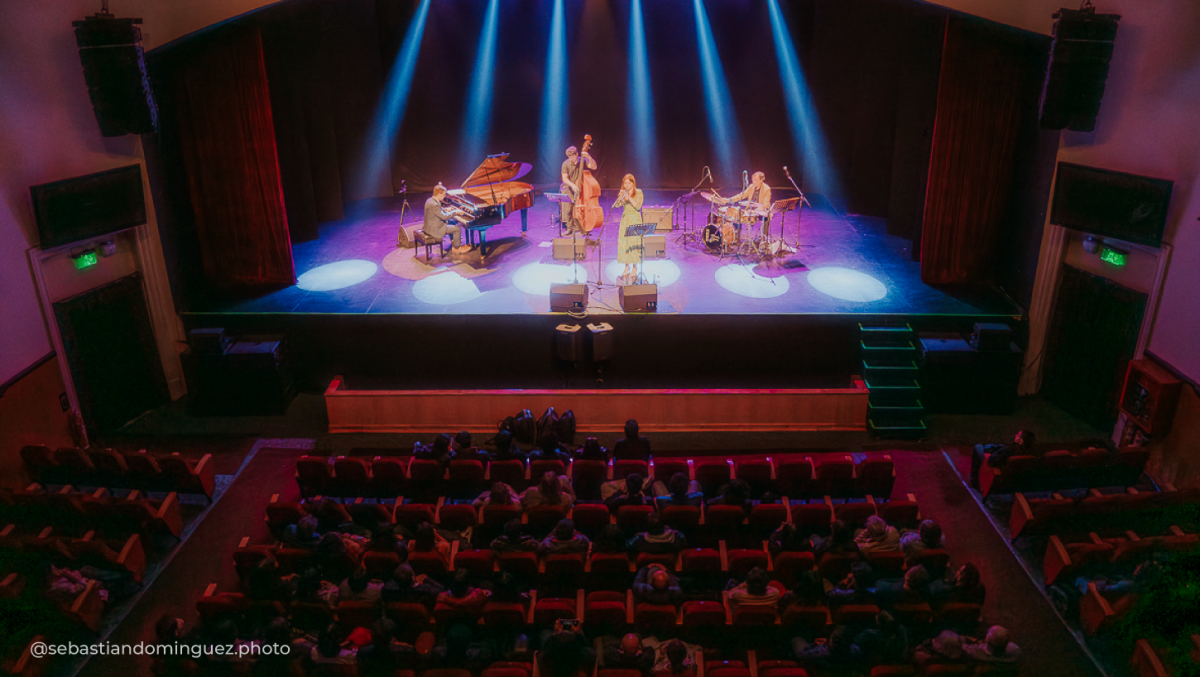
x=639 y=298
x=1078 y=69
x=569 y=248
x=568 y=342
x=568 y=297
x=253 y=377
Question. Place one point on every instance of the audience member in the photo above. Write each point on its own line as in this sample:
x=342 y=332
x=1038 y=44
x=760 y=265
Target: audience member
x=653 y=584
x=946 y=648
x=360 y=588
x=963 y=586
x=549 y=449
x=630 y=494
x=388 y=542
x=758 y=590
x=427 y=539
x=996 y=455
x=505 y=589
x=565 y=652
x=459 y=651
x=633 y=447
x=464 y=450
x=265 y=582
x=168 y=631
x=658 y=538
x=628 y=654
x=878 y=536
x=277 y=633
x=674 y=659
x=461 y=597
x=809 y=590
x=915 y=544
x=678 y=490
x=514 y=539
x=302 y=534
x=835 y=655
x=887 y=642
x=995 y=647
x=840 y=541
x=592 y=451
x=330 y=649
x=552 y=490
x=564 y=540
x=858 y=587
x=735 y=493
x=440 y=451
x=406 y=586
x=787 y=539
x=380 y=656
x=332 y=516
x=337 y=555
x=506 y=448
x=499 y=494
x=912 y=589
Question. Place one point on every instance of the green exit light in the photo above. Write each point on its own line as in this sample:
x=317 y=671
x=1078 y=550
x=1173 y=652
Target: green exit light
x=86 y=260
x=1107 y=255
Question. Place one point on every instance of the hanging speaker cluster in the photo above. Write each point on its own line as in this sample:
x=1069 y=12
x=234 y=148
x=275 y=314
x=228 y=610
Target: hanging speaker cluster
x=110 y=50
x=1078 y=69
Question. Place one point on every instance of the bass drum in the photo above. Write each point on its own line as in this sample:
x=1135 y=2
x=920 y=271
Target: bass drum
x=712 y=236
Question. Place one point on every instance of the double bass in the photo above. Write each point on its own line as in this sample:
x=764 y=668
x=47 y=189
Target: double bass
x=588 y=211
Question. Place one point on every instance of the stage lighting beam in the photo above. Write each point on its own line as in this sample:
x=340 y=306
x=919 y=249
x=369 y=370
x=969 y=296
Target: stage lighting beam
x=479 y=103
x=381 y=141
x=807 y=138
x=555 y=97
x=644 y=137
x=722 y=123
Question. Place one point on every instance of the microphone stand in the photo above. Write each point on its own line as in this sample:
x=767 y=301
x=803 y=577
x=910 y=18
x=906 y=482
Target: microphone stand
x=803 y=200
x=684 y=201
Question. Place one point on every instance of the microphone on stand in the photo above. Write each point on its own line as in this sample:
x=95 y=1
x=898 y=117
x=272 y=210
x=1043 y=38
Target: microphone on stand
x=745 y=179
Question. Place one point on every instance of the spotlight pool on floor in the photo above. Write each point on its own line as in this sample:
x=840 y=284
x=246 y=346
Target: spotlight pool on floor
x=662 y=273
x=846 y=284
x=536 y=278
x=445 y=289
x=337 y=275
x=743 y=281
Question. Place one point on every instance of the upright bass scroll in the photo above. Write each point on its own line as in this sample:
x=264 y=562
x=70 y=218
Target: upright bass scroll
x=588 y=211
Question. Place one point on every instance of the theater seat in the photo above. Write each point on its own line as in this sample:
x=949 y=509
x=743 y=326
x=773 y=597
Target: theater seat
x=411 y=515
x=478 y=562
x=518 y=563
x=564 y=565
x=610 y=564
x=511 y=473
x=653 y=615
x=754 y=615
x=428 y=563
x=314 y=475
x=586 y=478
x=712 y=475
x=551 y=609
x=605 y=608
x=352 y=477
x=634 y=517
x=789 y=565
x=590 y=518
x=701 y=560
x=283 y=513
x=456 y=517
x=684 y=518
x=665 y=468
x=626 y=467
x=703 y=614
x=742 y=561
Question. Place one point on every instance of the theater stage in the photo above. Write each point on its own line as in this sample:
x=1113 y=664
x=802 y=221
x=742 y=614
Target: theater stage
x=848 y=264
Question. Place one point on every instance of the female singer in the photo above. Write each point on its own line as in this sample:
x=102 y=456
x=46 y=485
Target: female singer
x=629 y=249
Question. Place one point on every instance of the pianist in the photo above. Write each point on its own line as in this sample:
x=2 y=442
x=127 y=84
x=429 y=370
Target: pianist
x=439 y=221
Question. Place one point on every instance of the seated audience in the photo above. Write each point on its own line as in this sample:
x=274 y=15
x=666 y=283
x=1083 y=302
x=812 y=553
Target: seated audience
x=277 y=633
x=838 y=654
x=506 y=448
x=630 y=494
x=912 y=589
x=809 y=591
x=674 y=660
x=887 y=642
x=653 y=584
x=440 y=451
x=858 y=587
x=405 y=586
x=380 y=657
x=330 y=649
x=168 y=631
x=610 y=540
x=266 y=583
x=302 y=534
x=337 y=555
x=514 y=539
x=332 y=516
x=735 y=493
x=658 y=538
x=633 y=447
x=549 y=449
x=995 y=647
x=592 y=451
x=459 y=651
x=505 y=590
x=946 y=648
x=427 y=539
x=996 y=455
x=499 y=494
x=464 y=450
x=840 y=541
x=552 y=490
x=915 y=544
x=878 y=536
x=758 y=590
x=963 y=586
x=628 y=654
x=310 y=589
x=564 y=540
x=461 y=597
x=360 y=588
x=387 y=541
x=678 y=490
x=565 y=652
x=787 y=539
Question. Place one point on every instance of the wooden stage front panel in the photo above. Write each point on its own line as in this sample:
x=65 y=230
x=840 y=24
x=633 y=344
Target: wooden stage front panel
x=392 y=411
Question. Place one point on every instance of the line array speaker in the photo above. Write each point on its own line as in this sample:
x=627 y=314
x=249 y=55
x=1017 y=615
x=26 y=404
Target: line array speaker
x=1078 y=69
x=110 y=50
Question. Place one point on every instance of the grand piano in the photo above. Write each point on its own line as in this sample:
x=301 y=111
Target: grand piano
x=491 y=193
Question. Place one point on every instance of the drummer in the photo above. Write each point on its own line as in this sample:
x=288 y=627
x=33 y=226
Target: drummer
x=758 y=193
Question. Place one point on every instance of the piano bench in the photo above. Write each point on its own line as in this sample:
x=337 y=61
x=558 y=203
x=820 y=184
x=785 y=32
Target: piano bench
x=428 y=240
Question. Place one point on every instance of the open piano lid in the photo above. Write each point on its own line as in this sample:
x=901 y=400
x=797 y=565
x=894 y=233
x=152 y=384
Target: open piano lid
x=496 y=169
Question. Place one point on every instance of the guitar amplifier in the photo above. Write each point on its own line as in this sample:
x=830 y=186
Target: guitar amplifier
x=662 y=216
x=639 y=298
x=570 y=248
x=656 y=246
x=568 y=297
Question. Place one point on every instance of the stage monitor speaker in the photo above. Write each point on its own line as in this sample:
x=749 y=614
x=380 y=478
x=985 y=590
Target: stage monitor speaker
x=110 y=50
x=656 y=246
x=602 y=341
x=662 y=216
x=1078 y=69
x=991 y=336
x=568 y=342
x=253 y=377
x=569 y=249
x=639 y=298
x=209 y=341
x=568 y=297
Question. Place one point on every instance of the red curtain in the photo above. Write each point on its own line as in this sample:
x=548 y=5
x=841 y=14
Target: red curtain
x=228 y=140
x=979 y=105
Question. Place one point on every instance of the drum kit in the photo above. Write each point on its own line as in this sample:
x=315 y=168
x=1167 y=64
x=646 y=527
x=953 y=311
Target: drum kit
x=729 y=228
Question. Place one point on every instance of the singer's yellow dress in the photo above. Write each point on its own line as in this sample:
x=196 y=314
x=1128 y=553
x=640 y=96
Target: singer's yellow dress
x=628 y=248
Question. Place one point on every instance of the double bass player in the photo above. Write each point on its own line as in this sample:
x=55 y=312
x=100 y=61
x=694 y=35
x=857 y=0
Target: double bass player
x=572 y=176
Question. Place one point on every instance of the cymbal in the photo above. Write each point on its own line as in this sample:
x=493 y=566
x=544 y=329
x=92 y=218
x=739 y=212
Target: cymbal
x=711 y=197
x=754 y=207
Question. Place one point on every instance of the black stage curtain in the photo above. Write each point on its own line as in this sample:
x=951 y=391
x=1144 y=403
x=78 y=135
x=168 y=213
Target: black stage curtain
x=984 y=95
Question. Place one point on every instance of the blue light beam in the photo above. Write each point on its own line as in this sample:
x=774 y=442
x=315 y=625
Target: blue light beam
x=807 y=138
x=381 y=141
x=555 y=97
x=643 y=142
x=479 y=103
x=722 y=124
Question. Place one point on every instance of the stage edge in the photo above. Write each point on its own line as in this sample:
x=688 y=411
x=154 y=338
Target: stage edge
x=394 y=411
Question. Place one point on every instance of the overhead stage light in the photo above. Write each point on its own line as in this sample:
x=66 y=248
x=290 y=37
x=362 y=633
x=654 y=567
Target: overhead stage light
x=722 y=123
x=743 y=281
x=445 y=289
x=536 y=278
x=847 y=284
x=643 y=137
x=337 y=275
x=662 y=273
x=555 y=111
x=479 y=102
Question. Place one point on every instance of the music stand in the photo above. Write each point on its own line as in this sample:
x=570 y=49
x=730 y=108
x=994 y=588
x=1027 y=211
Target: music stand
x=559 y=198
x=782 y=207
x=640 y=230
